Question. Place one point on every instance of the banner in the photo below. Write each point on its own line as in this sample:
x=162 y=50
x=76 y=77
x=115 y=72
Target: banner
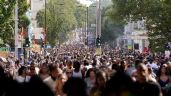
x=4 y=49
x=130 y=47
x=4 y=54
x=98 y=51
x=36 y=48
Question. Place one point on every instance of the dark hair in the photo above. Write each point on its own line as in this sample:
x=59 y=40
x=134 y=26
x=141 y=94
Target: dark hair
x=100 y=75
x=77 y=65
x=137 y=62
x=52 y=67
x=122 y=62
x=89 y=71
x=17 y=62
x=115 y=67
x=86 y=63
x=159 y=71
x=44 y=64
x=118 y=83
x=35 y=87
x=70 y=89
x=20 y=71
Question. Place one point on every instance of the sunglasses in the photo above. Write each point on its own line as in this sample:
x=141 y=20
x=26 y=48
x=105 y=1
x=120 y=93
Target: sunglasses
x=32 y=68
x=68 y=72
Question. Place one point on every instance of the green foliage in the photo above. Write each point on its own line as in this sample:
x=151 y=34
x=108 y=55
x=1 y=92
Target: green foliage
x=111 y=28
x=156 y=13
x=6 y=10
x=80 y=14
x=7 y=20
x=23 y=19
x=40 y=18
x=62 y=17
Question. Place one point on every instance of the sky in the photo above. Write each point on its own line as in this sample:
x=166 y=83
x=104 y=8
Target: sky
x=86 y=2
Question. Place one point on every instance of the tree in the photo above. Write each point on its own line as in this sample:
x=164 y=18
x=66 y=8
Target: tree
x=80 y=14
x=61 y=19
x=23 y=19
x=110 y=28
x=6 y=12
x=7 y=22
x=156 y=14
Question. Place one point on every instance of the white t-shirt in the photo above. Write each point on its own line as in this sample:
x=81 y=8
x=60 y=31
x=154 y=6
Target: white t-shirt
x=153 y=66
x=21 y=79
x=77 y=74
x=51 y=83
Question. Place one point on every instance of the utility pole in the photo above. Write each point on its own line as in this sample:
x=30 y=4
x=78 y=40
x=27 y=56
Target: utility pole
x=87 y=27
x=22 y=38
x=16 y=30
x=98 y=19
x=98 y=28
x=85 y=32
x=45 y=30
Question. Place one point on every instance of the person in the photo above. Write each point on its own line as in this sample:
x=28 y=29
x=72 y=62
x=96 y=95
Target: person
x=77 y=71
x=69 y=64
x=32 y=69
x=143 y=86
x=151 y=74
x=75 y=87
x=120 y=84
x=44 y=72
x=3 y=80
x=99 y=87
x=22 y=76
x=90 y=79
x=123 y=66
x=68 y=73
x=60 y=83
x=153 y=64
x=163 y=77
x=35 y=87
x=51 y=80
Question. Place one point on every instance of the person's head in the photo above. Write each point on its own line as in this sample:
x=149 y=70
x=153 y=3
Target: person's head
x=75 y=87
x=91 y=73
x=32 y=70
x=150 y=70
x=2 y=72
x=137 y=62
x=142 y=73
x=123 y=65
x=63 y=78
x=86 y=63
x=101 y=79
x=77 y=65
x=68 y=73
x=119 y=84
x=22 y=71
x=54 y=70
x=44 y=69
x=17 y=62
x=69 y=64
x=163 y=70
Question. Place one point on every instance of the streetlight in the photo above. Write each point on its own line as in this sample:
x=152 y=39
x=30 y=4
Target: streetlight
x=98 y=19
x=16 y=29
x=45 y=29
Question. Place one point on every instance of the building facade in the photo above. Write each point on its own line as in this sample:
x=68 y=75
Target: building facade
x=135 y=37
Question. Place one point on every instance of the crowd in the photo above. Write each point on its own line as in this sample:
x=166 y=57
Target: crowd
x=76 y=70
